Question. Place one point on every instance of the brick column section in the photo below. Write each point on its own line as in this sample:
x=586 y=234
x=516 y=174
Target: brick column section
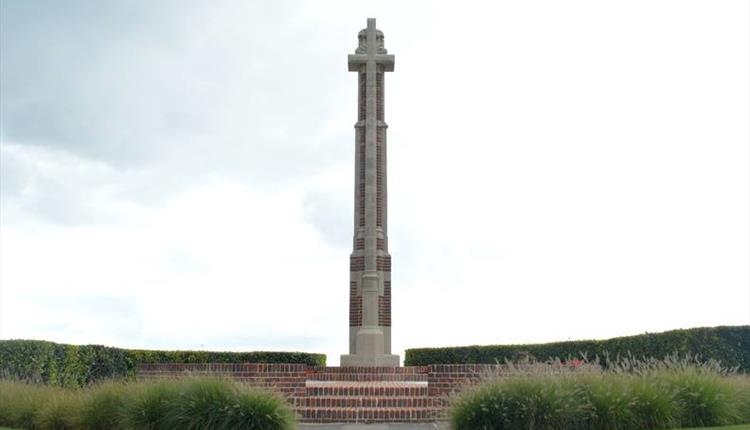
x=357 y=265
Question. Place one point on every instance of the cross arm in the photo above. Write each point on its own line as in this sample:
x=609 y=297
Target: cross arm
x=355 y=61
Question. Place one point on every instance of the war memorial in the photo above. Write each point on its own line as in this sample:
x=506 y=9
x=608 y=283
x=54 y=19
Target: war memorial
x=369 y=386
x=370 y=267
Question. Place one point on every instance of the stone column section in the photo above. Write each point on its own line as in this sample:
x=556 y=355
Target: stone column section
x=370 y=265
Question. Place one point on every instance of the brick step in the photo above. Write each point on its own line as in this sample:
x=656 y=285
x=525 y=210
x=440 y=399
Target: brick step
x=343 y=376
x=360 y=415
x=366 y=402
x=377 y=370
x=365 y=389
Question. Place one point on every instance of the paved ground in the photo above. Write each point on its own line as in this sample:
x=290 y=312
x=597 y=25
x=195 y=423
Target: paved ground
x=414 y=426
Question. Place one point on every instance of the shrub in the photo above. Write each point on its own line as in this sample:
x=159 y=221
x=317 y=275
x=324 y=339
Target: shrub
x=706 y=399
x=78 y=366
x=103 y=406
x=730 y=345
x=216 y=404
x=19 y=403
x=62 y=411
x=166 y=405
x=153 y=356
x=622 y=402
x=540 y=402
x=147 y=406
x=742 y=396
x=634 y=396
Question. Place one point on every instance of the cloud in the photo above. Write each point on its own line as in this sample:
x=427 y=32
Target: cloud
x=252 y=262
x=57 y=186
x=133 y=83
x=180 y=174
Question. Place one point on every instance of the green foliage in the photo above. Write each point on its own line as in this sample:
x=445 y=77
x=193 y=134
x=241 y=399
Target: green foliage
x=78 y=366
x=150 y=356
x=103 y=405
x=61 y=412
x=624 y=398
x=214 y=404
x=705 y=399
x=622 y=402
x=148 y=407
x=729 y=344
x=19 y=403
x=165 y=405
x=539 y=403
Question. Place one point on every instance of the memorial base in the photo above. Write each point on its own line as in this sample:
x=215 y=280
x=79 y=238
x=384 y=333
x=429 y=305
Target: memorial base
x=381 y=360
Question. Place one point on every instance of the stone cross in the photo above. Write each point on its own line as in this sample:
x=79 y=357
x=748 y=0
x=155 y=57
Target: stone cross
x=370 y=263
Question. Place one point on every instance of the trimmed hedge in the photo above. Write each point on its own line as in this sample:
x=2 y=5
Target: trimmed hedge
x=81 y=365
x=153 y=356
x=730 y=345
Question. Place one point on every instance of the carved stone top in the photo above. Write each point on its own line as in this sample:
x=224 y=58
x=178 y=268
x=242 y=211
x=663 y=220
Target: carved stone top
x=376 y=54
x=379 y=41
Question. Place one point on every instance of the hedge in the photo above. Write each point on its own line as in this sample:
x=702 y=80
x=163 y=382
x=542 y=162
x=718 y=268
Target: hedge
x=729 y=345
x=81 y=365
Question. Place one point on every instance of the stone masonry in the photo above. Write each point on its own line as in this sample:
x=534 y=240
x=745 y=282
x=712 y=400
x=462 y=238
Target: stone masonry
x=370 y=263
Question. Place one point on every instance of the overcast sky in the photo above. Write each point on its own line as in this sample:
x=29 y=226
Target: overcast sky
x=179 y=174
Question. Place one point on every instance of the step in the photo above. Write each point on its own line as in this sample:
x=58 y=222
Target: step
x=344 y=376
x=333 y=415
x=389 y=384
x=376 y=370
x=366 y=402
x=366 y=388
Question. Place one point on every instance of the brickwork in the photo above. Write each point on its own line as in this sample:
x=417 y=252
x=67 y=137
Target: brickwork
x=355 y=306
x=384 y=305
x=286 y=379
x=361 y=182
x=356 y=264
x=367 y=394
x=383 y=263
x=361 y=99
x=445 y=379
x=350 y=394
x=379 y=208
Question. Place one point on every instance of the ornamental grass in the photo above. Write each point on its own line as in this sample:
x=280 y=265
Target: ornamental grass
x=192 y=403
x=630 y=395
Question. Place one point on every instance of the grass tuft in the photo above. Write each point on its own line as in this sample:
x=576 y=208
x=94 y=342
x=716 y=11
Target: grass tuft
x=631 y=395
x=186 y=404
x=146 y=408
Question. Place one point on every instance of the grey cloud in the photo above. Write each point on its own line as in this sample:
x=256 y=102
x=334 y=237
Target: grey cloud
x=50 y=187
x=53 y=91
x=169 y=94
x=13 y=177
x=163 y=84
